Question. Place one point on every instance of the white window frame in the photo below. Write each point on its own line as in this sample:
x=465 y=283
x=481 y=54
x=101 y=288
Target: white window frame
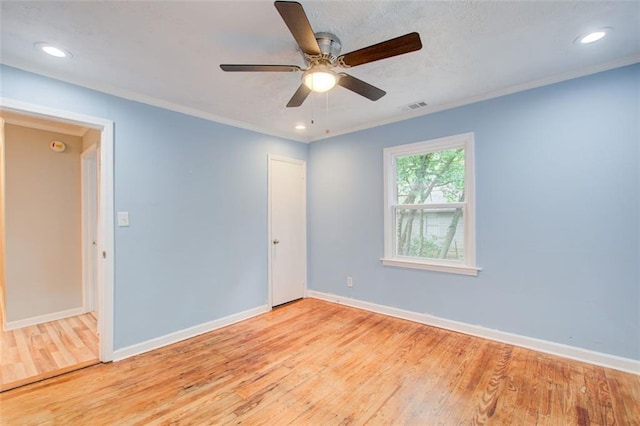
x=468 y=267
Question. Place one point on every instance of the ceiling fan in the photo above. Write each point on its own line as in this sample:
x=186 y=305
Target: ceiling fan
x=322 y=53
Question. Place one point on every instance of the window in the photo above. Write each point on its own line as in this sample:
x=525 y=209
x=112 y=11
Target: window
x=429 y=205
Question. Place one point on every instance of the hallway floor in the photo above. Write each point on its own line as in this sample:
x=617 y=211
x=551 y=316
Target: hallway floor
x=45 y=350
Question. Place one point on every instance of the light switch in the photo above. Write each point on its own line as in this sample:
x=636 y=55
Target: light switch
x=123 y=219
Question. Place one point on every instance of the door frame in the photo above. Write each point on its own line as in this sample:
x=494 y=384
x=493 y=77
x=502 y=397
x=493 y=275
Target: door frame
x=3 y=306
x=89 y=185
x=270 y=159
x=105 y=234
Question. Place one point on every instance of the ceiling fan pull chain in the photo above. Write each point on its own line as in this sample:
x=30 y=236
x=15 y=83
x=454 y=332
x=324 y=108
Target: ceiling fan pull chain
x=327 y=113
x=312 y=108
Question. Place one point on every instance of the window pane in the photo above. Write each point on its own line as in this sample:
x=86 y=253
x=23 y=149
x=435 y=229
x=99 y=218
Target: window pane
x=430 y=234
x=435 y=177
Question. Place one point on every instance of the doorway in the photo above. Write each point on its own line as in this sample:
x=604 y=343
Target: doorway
x=287 y=230
x=96 y=166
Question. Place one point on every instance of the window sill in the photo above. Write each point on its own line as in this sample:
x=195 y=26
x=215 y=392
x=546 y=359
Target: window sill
x=439 y=267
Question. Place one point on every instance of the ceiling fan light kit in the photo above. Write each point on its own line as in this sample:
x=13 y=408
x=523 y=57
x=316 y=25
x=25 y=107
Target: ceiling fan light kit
x=321 y=52
x=319 y=78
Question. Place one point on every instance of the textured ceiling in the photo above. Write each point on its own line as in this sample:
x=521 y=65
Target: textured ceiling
x=167 y=54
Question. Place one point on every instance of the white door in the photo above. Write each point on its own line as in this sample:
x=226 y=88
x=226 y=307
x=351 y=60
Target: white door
x=89 y=163
x=287 y=229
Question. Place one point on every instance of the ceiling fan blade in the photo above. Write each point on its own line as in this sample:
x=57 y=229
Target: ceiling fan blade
x=387 y=49
x=360 y=87
x=267 y=68
x=298 y=98
x=293 y=15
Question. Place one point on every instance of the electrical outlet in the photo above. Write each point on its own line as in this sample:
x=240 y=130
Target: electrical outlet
x=349 y=282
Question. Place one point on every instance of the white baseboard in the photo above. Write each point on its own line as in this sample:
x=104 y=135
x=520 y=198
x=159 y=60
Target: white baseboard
x=584 y=355
x=187 y=333
x=54 y=316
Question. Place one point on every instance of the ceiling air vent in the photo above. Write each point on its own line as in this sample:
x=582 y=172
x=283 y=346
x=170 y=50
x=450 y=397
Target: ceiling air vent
x=413 y=106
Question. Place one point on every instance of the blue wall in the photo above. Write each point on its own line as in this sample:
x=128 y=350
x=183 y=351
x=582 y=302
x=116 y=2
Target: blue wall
x=558 y=208
x=196 y=193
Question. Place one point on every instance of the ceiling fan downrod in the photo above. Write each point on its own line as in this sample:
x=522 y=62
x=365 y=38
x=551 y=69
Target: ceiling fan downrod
x=330 y=47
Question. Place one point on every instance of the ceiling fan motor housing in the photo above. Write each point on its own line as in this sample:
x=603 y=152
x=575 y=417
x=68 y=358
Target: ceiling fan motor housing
x=330 y=47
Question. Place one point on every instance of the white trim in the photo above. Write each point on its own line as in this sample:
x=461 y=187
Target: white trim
x=270 y=158
x=106 y=264
x=53 y=113
x=470 y=198
x=464 y=141
x=432 y=266
x=432 y=145
x=558 y=78
x=89 y=170
x=150 y=100
x=269 y=236
x=54 y=316
x=433 y=206
x=171 y=106
x=49 y=126
x=105 y=215
x=3 y=292
x=565 y=351
x=187 y=333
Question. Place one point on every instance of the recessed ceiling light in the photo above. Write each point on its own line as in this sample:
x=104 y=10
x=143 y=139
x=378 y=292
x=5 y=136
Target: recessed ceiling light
x=300 y=127
x=52 y=50
x=592 y=36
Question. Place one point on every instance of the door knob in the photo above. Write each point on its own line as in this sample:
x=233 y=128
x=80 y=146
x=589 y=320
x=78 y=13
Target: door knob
x=276 y=241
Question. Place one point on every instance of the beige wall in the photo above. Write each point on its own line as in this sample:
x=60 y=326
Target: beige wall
x=43 y=223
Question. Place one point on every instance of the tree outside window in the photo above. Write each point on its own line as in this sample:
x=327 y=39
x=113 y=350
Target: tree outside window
x=427 y=198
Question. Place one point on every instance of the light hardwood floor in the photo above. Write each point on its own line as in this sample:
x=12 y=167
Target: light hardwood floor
x=317 y=363
x=45 y=350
